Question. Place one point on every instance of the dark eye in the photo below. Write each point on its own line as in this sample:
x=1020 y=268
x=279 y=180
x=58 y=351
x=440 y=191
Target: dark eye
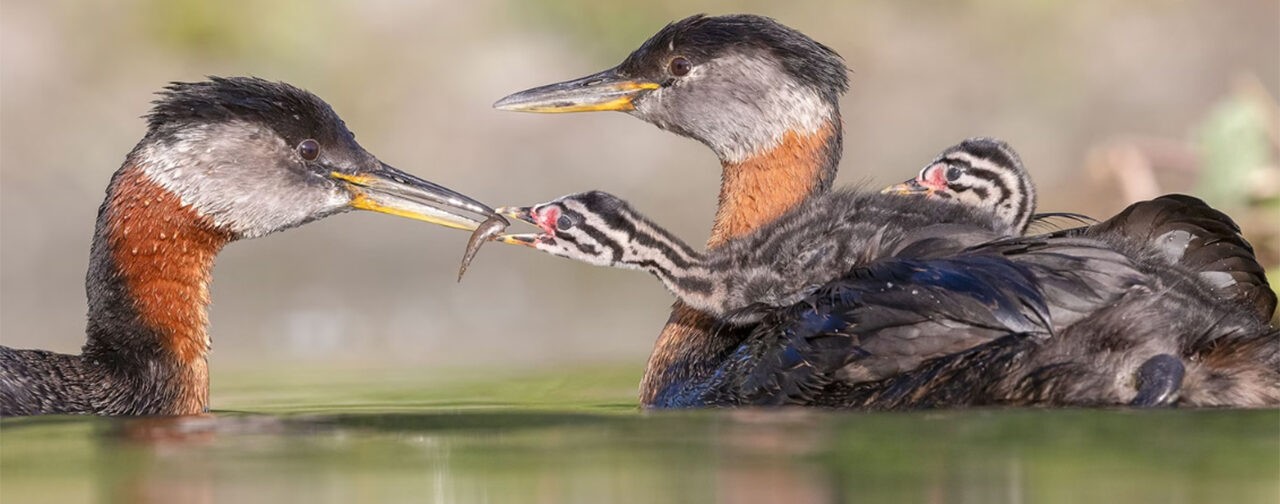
x=309 y=149
x=953 y=174
x=563 y=223
x=680 y=67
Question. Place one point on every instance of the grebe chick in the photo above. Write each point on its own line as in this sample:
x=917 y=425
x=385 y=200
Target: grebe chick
x=777 y=265
x=985 y=173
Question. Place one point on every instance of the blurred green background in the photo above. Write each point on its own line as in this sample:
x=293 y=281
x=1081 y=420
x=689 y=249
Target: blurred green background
x=1108 y=101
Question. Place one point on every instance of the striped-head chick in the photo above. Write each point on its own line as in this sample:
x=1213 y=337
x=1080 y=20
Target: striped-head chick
x=600 y=229
x=981 y=172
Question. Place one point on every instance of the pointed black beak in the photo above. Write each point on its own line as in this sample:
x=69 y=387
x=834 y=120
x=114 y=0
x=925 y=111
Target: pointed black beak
x=603 y=91
x=388 y=190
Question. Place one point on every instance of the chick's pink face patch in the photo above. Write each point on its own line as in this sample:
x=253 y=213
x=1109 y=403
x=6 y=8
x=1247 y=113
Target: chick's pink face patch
x=934 y=177
x=545 y=218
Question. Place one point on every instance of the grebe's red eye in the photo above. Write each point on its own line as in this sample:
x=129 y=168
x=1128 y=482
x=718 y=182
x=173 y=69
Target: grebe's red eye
x=309 y=149
x=680 y=67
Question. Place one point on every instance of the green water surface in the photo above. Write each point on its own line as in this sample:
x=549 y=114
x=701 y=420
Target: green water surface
x=576 y=436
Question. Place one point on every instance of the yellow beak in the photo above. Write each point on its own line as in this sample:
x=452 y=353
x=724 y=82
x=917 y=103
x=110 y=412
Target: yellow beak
x=394 y=192
x=603 y=91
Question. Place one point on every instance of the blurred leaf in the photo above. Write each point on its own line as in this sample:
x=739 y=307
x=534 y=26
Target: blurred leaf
x=1233 y=143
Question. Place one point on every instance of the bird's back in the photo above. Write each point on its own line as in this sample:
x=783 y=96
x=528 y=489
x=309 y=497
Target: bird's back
x=1186 y=232
x=829 y=235
x=1067 y=318
x=40 y=382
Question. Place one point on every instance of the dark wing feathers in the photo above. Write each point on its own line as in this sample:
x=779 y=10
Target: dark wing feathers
x=883 y=319
x=1193 y=235
x=1044 y=319
x=1074 y=275
x=896 y=314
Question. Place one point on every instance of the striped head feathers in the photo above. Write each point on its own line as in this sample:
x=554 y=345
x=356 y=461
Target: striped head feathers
x=981 y=172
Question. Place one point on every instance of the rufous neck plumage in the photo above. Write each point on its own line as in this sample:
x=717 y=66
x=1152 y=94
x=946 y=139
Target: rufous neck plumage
x=148 y=280
x=761 y=188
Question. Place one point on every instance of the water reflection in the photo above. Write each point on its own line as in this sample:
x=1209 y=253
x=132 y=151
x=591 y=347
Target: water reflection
x=491 y=455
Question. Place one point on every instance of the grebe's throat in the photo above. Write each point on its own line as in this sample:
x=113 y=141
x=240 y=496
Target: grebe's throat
x=148 y=285
x=759 y=189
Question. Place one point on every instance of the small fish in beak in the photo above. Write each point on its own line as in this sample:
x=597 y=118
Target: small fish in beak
x=486 y=231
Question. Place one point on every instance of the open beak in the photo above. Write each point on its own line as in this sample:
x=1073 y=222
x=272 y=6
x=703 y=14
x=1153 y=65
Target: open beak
x=607 y=90
x=912 y=186
x=524 y=214
x=388 y=190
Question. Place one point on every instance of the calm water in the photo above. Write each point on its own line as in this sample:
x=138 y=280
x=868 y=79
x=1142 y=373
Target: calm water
x=575 y=437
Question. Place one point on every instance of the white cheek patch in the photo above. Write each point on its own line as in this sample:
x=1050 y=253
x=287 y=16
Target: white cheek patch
x=784 y=106
x=230 y=173
x=726 y=104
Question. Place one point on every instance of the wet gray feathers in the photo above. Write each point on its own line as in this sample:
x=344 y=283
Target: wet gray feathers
x=40 y=382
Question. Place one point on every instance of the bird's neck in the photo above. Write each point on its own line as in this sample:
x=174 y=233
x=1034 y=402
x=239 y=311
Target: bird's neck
x=694 y=286
x=148 y=289
x=682 y=270
x=760 y=188
x=753 y=192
